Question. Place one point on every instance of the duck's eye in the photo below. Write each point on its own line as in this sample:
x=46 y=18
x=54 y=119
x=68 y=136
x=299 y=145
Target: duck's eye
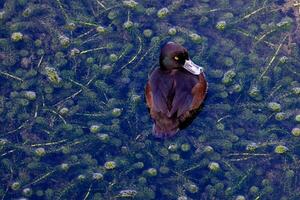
x=176 y=58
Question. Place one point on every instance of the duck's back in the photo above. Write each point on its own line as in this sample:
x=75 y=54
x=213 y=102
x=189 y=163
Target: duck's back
x=171 y=98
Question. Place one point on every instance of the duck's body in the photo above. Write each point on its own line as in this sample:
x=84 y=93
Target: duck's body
x=173 y=93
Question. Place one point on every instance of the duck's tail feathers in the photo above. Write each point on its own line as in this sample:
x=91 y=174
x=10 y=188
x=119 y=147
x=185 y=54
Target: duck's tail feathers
x=160 y=132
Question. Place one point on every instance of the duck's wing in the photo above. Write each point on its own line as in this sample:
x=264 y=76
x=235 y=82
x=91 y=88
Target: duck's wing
x=157 y=103
x=159 y=92
x=189 y=95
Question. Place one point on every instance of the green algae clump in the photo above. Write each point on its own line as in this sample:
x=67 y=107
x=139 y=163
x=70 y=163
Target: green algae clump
x=97 y=176
x=162 y=13
x=74 y=52
x=196 y=38
x=172 y=31
x=164 y=170
x=113 y=57
x=15 y=185
x=64 y=111
x=17 y=36
x=107 y=69
x=185 y=147
x=296 y=90
x=296 y=131
x=2 y=14
x=100 y=29
x=253 y=190
x=64 y=41
x=208 y=149
x=70 y=26
x=221 y=25
x=30 y=95
x=27 y=192
x=254 y=92
x=228 y=76
x=175 y=157
x=191 y=187
x=280 y=116
x=103 y=137
x=251 y=146
x=116 y=112
x=275 y=107
x=127 y=193
x=128 y=25
x=148 y=33
x=280 y=149
x=109 y=165
x=138 y=165
x=297 y=118
x=173 y=147
x=40 y=151
x=81 y=177
x=52 y=75
x=65 y=166
x=214 y=166
x=130 y=4
x=240 y=197
x=135 y=99
x=151 y=172
x=95 y=128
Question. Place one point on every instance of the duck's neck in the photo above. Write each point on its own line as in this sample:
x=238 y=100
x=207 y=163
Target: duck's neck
x=169 y=71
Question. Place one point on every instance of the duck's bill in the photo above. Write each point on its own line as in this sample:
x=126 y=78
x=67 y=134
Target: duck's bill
x=192 y=67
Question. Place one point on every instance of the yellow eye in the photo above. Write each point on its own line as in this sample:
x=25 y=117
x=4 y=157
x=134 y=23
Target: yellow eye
x=176 y=58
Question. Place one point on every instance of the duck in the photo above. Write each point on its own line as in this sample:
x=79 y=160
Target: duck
x=175 y=91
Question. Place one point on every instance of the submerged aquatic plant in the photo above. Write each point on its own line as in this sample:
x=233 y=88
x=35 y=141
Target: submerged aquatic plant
x=73 y=120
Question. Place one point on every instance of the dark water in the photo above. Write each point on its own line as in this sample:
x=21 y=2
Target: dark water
x=74 y=124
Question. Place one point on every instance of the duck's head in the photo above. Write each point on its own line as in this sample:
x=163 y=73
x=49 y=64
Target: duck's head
x=174 y=56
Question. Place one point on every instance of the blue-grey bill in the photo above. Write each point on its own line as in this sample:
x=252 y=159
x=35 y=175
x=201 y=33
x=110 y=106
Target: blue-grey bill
x=192 y=67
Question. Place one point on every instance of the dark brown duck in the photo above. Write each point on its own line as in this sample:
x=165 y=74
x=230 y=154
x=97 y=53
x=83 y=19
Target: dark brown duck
x=175 y=91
